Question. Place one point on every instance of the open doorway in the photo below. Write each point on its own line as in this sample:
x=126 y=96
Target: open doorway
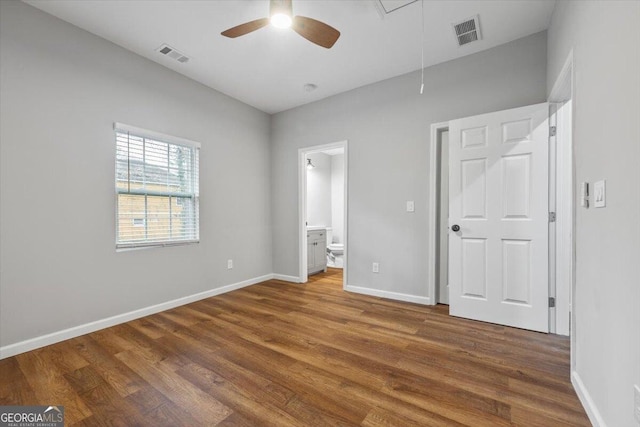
x=439 y=214
x=323 y=209
x=438 y=258
x=443 y=216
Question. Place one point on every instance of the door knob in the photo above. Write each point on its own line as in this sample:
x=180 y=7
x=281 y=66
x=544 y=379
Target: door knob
x=455 y=227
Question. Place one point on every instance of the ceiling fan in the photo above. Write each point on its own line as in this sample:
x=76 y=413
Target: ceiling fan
x=281 y=16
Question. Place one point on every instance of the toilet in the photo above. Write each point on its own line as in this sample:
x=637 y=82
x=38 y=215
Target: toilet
x=334 y=248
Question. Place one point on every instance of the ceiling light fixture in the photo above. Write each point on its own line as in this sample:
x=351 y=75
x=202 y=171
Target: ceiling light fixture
x=281 y=14
x=309 y=164
x=310 y=87
x=280 y=20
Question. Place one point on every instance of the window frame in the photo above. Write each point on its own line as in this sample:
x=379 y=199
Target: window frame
x=194 y=148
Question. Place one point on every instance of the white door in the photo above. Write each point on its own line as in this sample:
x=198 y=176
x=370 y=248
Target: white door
x=498 y=203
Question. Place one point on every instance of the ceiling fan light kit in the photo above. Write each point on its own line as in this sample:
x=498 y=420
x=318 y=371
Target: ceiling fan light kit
x=281 y=13
x=281 y=16
x=280 y=20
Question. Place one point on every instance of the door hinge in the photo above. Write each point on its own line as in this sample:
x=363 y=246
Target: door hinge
x=552 y=302
x=552 y=130
x=552 y=217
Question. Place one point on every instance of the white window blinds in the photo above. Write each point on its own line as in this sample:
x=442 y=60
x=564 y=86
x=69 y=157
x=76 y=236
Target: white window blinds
x=156 y=188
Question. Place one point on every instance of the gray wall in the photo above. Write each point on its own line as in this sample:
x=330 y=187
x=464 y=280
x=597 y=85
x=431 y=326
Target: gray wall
x=62 y=88
x=319 y=191
x=387 y=125
x=337 y=198
x=605 y=38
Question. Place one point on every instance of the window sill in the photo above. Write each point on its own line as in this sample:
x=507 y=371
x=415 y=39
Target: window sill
x=140 y=246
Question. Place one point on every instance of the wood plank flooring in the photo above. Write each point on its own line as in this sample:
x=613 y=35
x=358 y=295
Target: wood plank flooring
x=282 y=354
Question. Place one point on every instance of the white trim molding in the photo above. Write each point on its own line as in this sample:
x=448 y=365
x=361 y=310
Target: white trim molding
x=76 y=331
x=285 y=278
x=586 y=400
x=562 y=93
x=389 y=295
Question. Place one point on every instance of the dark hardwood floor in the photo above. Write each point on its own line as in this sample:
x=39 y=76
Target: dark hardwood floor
x=287 y=354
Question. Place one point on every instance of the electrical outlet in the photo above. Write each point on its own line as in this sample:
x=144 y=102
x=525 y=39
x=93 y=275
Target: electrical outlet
x=229 y=264
x=636 y=409
x=376 y=267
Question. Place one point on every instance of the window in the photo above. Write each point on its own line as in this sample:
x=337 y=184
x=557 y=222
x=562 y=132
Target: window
x=156 y=188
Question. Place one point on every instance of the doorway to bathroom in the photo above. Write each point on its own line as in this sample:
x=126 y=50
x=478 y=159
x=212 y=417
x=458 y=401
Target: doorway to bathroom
x=322 y=209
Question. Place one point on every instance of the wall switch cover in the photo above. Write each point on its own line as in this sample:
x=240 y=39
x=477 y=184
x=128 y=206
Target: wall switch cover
x=599 y=194
x=376 y=267
x=229 y=264
x=411 y=207
x=584 y=194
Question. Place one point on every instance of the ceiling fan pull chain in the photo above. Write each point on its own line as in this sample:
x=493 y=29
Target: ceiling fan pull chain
x=422 y=67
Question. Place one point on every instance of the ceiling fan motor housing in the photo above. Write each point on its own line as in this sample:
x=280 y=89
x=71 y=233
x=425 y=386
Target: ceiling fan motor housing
x=281 y=6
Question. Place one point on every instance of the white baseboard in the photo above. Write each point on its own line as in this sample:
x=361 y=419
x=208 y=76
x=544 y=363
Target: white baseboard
x=76 y=331
x=286 y=278
x=390 y=295
x=587 y=402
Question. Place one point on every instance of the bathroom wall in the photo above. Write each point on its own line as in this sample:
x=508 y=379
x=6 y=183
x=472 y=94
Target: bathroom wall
x=337 y=197
x=319 y=191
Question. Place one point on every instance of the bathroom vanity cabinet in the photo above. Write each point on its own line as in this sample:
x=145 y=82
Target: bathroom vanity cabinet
x=316 y=251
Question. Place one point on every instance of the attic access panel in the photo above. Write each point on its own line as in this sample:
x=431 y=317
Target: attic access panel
x=389 y=6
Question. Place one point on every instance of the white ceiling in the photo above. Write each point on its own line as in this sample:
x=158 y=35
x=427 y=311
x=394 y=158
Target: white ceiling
x=269 y=68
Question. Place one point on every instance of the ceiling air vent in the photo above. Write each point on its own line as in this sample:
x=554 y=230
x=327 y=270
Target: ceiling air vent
x=172 y=53
x=467 y=31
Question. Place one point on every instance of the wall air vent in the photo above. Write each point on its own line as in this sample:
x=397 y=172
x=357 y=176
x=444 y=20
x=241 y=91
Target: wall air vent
x=172 y=53
x=468 y=30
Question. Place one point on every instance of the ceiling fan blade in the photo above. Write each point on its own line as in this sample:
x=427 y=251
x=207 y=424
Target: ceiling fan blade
x=246 y=28
x=315 y=31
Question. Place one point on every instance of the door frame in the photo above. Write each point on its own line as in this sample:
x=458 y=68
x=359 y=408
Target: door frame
x=563 y=253
x=562 y=93
x=302 y=206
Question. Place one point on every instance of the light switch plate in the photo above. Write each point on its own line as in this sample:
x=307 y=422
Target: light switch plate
x=375 y=268
x=584 y=194
x=599 y=194
x=229 y=264
x=411 y=206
